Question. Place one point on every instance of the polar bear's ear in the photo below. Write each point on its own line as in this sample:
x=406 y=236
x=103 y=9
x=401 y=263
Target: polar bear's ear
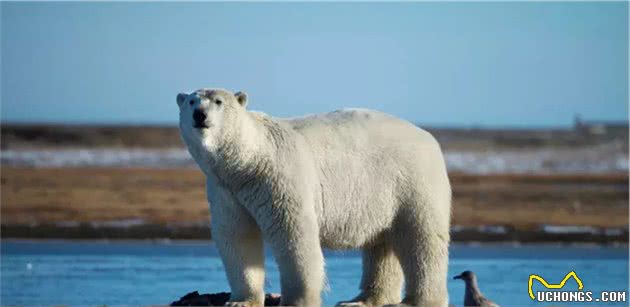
x=241 y=97
x=181 y=97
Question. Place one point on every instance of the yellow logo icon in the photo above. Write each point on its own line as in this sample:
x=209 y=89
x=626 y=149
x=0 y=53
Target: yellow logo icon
x=552 y=286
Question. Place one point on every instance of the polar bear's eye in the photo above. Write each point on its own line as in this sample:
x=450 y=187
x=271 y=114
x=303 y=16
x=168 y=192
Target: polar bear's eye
x=218 y=102
x=192 y=101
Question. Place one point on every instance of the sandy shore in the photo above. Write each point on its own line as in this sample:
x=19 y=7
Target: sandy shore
x=149 y=203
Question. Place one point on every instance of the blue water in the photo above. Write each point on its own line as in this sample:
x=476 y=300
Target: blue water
x=149 y=273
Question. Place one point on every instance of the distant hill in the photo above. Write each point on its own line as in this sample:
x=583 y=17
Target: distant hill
x=52 y=136
x=18 y=136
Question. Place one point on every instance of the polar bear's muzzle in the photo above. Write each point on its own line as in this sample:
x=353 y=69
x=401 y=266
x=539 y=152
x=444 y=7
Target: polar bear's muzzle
x=199 y=118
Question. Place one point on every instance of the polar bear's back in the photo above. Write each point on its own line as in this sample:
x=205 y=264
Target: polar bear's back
x=366 y=161
x=361 y=129
x=363 y=139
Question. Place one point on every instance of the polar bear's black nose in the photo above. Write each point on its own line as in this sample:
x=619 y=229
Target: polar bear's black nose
x=200 y=118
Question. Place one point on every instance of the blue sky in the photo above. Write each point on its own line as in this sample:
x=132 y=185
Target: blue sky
x=463 y=64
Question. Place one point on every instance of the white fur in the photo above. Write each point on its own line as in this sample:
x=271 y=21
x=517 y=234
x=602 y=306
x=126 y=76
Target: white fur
x=346 y=179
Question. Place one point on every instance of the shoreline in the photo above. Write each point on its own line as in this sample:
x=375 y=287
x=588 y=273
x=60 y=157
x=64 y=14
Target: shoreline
x=202 y=233
x=198 y=242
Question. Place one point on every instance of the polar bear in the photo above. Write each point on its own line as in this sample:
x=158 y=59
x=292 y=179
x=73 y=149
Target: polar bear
x=350 y=179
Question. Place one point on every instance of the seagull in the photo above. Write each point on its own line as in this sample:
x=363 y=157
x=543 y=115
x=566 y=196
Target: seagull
x=473 y=296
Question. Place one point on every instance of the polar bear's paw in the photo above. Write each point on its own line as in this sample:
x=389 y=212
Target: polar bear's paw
x=240 y=304
x=352 y=304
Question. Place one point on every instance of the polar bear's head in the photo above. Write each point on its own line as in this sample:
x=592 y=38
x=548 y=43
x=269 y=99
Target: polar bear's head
x=205 y=113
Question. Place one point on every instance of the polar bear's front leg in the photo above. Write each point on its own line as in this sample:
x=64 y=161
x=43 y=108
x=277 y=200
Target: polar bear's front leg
x=240 y=245
x=243 y=259
x=294 y=238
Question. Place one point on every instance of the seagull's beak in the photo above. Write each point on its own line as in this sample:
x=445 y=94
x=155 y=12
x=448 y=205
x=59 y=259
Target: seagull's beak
x=458 y=277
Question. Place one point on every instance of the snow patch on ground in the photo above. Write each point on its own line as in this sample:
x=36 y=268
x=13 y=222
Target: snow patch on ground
x=600 y=159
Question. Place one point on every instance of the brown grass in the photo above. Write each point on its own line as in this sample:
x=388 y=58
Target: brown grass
x=177 y=196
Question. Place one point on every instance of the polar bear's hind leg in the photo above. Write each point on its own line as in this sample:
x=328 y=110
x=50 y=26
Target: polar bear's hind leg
x=424 y=258
x=381 y=282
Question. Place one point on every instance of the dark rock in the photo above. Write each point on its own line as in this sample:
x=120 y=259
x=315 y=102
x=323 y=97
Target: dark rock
x=218 y=299
x=272 y=299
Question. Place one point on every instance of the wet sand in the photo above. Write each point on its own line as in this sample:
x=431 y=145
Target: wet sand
x=170 y=203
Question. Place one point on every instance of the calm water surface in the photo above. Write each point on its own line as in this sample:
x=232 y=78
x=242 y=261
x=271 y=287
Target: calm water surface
x=45 y=273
